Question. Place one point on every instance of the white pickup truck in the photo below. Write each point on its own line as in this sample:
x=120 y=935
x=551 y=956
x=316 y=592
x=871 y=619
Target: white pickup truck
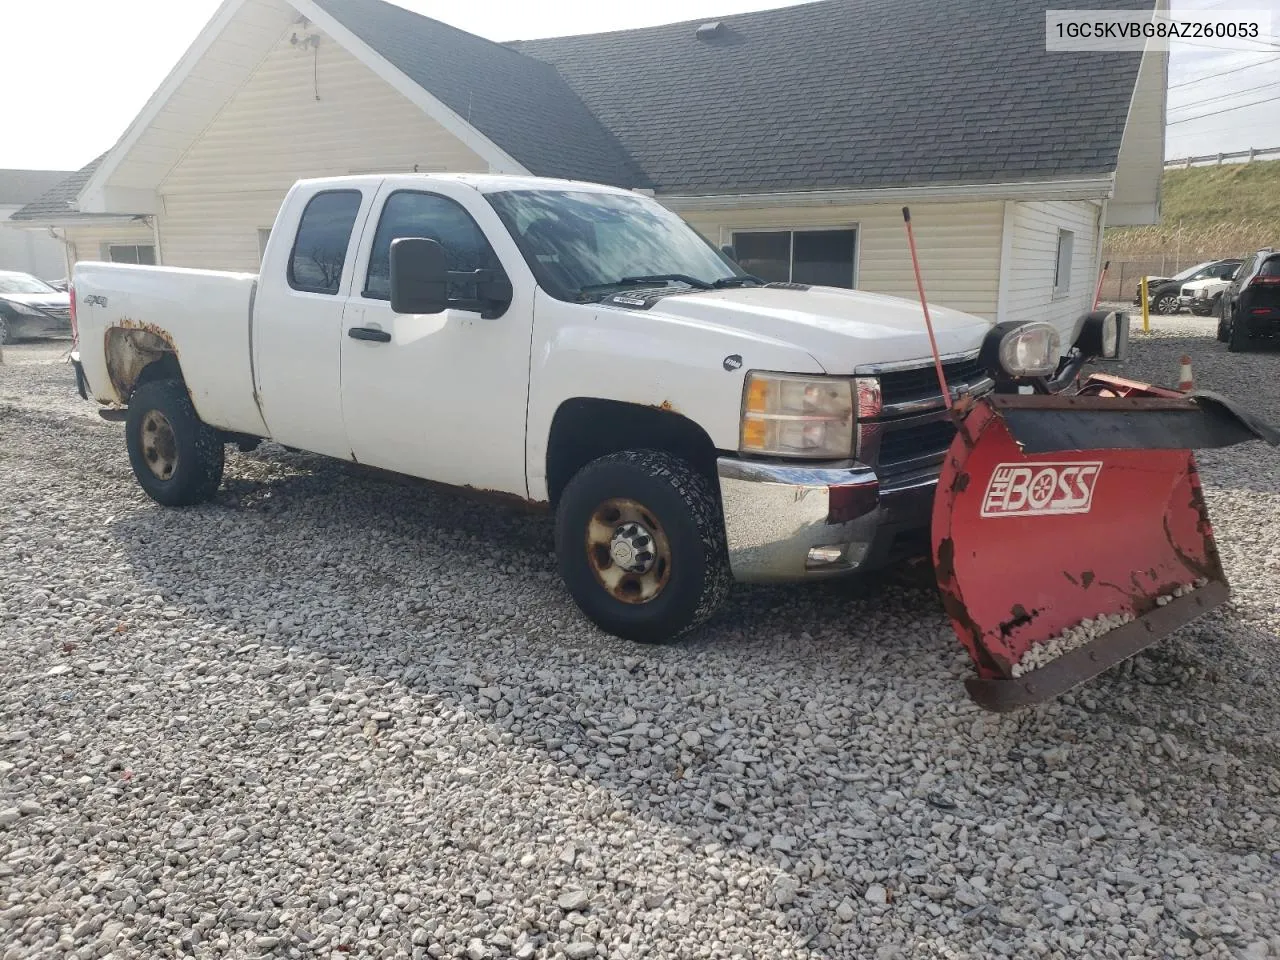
x=570 y=345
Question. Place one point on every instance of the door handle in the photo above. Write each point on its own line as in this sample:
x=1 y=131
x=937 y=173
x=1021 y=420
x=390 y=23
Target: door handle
x=371 y=334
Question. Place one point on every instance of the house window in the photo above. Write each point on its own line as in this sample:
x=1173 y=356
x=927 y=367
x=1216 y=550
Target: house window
x=144 y=253
x=820 y=257
x=1062 y=269
x=324 y=233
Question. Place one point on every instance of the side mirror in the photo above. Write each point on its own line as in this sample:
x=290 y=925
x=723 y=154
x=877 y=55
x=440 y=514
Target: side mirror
x=1104 y=336
x=419 y=276
x=729 y=251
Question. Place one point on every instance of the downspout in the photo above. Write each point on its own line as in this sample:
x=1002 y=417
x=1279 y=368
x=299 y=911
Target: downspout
x=155 y=238
x=68 y=259
x=1006 y=261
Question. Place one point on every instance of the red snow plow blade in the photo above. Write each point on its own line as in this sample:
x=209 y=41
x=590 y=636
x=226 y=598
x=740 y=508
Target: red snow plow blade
x=1070 y=532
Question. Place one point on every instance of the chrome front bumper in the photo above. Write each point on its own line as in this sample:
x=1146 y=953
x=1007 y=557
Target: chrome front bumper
x=781 y=526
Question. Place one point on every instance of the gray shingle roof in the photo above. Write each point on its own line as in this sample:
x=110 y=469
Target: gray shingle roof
x=854 y=93
x=59 y=202
x=23 y=186
x=520 y=103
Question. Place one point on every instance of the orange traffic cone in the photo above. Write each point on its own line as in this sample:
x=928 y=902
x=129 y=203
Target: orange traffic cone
x=1185 y=382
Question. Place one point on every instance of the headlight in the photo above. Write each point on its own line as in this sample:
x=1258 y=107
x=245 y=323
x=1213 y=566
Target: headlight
x=796 y=416
x=1030 y=350
x=23 y=308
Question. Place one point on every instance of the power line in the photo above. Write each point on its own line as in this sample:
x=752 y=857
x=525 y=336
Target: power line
x=1265 y=45
x=1214 y=113
x=1227 y=96
x=1224 y=73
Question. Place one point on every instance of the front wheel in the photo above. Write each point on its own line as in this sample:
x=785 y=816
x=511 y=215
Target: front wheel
x=641 y=545
x=1167 y=303
x=176 y=457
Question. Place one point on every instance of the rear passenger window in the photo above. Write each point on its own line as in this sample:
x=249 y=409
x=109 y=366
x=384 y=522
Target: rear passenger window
x=320 y=249
x=410 y=214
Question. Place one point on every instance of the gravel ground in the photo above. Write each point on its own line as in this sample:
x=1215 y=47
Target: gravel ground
x=334 y=716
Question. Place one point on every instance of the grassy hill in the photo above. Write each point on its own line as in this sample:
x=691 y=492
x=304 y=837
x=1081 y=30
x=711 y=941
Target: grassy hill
x=1219 y=210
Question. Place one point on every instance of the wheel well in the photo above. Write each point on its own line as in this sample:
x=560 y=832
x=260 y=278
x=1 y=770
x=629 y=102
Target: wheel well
x=139 y=355
x=586 y=428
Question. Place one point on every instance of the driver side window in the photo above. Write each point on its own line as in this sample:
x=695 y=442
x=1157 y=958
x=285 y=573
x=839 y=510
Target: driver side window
x=411 y=214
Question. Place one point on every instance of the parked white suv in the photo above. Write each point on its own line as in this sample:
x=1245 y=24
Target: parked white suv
x=1201 y=296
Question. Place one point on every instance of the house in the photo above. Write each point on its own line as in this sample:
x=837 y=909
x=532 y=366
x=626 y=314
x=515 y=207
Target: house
x=114 y=237
x=28 y=251
x=796 y=135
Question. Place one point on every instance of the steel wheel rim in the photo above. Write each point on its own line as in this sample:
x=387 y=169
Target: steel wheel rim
x=159 y=445
x=628 y=551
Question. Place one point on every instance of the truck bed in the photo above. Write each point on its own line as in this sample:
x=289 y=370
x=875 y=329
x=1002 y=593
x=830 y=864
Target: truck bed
x=129 y=316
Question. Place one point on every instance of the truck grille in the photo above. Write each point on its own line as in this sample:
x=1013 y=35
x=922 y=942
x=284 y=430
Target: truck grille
x=919 y=383
x=909 y=444
x=900 y=448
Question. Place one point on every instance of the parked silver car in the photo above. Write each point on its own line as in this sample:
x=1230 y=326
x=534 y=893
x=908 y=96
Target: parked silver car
x=29 y=307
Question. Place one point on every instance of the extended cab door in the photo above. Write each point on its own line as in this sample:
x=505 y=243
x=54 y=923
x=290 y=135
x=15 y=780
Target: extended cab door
x=297 y=327
x=440 y=396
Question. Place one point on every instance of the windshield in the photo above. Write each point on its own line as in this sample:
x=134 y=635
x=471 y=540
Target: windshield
x=584 y=245
x=22 y=283
x=1192 y=271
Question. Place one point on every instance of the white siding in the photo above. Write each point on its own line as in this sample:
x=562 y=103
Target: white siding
x=87 y=243
x=958 y=243
x=1140 y=165
x=29 y=251
x=1033 y=255
x=275 y=131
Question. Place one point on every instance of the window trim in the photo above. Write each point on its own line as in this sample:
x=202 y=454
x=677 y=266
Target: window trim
x=346 y=253
x=377 y=225
x=1061 y=289
x=855 y=226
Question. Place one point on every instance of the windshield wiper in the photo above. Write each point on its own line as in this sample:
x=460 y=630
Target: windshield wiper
x=655 y=278
x=741 y=281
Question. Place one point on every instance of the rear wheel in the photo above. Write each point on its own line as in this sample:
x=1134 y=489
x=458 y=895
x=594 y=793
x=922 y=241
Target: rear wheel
x=176 y=458
x=4 y=330
x=1238 y=339
x=641 y=545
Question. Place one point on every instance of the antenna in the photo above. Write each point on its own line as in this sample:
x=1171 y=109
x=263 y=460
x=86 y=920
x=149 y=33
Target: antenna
x=924 y=303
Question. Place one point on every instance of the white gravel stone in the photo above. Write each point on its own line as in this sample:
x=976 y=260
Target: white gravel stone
x=737 y=794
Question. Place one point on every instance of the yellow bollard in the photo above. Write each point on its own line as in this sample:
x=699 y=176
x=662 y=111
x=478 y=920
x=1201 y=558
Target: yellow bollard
x=1146 y=306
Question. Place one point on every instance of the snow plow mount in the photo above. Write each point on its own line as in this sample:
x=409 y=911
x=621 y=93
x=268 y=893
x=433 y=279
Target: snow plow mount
x=1070 y=531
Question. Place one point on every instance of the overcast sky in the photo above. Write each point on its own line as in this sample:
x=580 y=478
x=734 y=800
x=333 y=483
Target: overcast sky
x=76 y=72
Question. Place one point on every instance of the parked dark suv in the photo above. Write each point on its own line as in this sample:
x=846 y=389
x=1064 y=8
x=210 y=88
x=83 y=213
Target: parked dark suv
x=1250 y=308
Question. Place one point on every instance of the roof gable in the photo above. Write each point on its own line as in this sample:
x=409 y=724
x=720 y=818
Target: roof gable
x=854 y=93
x=520 y=103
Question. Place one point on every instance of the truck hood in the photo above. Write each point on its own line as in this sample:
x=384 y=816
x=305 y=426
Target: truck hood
x=840 y=329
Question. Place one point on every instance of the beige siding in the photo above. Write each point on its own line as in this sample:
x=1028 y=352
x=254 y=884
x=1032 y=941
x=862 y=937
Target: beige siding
x=959 y=245
x=275 y=131
x=89 y=242
x=1033 y=253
